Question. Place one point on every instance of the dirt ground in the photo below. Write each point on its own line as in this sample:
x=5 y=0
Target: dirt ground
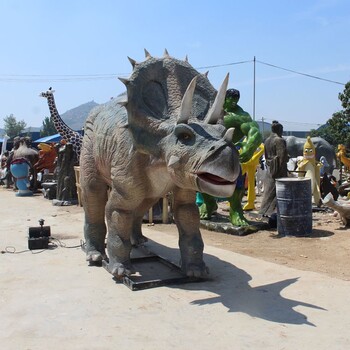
x=326 y=251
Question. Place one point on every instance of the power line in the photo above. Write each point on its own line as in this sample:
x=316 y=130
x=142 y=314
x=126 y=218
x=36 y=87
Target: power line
x=287 y=121
x=304 y=74
x=224 y=65
x=29 y=78
x=38 y=80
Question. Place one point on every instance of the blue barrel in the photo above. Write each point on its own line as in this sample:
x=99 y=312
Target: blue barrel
x=294 y=206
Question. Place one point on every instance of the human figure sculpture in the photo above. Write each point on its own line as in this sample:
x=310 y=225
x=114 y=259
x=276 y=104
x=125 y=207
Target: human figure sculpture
x=276 y=159
x=66 y=186
x=247 y=138
x=310 y=168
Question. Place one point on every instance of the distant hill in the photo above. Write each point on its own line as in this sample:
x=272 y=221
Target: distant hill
x=75 y=118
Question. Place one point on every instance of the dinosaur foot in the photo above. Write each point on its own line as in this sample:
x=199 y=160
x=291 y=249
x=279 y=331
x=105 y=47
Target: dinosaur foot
x=95 y=257
x=119 y=270
x=138 y=240
x=196 y=270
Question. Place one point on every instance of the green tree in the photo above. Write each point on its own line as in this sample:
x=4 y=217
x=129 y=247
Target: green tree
x=337 y=129
x=12 y=126
x=48 y=128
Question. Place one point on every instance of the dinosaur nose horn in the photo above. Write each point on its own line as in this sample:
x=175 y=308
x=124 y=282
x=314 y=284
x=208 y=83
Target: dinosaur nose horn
x=215 y=111
x=229 y=134
x=186 y=103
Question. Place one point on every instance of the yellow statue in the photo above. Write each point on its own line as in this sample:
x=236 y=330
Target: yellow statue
x=311 y=167
x=342 y=157
x=249 y=168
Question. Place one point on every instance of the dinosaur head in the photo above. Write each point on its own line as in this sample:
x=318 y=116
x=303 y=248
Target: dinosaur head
x=201 y=156
x=175 y=115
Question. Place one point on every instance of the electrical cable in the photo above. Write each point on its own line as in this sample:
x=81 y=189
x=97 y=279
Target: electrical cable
x=55 y=243
x=296 y=72
x=28 y=78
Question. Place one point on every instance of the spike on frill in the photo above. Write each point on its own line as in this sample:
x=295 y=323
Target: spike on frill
x=132 y=61
x=124 y=81
x=147 y=54
x=166 y=53
x=186 y=59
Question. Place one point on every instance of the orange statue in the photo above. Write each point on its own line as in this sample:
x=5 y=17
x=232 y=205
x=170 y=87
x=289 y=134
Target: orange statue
x=47 y=157
x=341 y=155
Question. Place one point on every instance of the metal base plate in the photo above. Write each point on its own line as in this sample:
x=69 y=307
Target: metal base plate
x=153 y=271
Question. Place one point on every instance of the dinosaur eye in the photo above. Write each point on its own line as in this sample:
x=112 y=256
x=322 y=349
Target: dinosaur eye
x=184 y=133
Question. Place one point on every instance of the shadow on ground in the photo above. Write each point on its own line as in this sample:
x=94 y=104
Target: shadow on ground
x=232 y=288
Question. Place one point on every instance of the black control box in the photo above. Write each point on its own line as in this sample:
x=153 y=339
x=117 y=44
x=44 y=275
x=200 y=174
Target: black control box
x=39 y=237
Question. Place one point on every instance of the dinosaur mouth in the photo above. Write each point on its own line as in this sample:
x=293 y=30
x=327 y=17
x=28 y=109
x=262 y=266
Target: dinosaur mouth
x=214 y=179
x=215 y=185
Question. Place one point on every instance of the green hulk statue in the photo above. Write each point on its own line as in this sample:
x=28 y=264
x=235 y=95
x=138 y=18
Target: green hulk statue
x=247 y=138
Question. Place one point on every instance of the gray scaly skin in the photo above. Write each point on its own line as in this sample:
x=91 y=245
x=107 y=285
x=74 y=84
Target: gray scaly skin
x=162 y=135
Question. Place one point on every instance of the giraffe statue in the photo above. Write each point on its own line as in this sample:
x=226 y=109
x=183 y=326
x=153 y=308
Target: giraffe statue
x=64 y=130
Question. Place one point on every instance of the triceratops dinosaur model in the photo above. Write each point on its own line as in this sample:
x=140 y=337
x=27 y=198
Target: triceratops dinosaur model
x=162 y=136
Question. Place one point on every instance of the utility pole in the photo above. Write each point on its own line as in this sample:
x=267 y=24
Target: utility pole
x=254 y=90
x=262 y=125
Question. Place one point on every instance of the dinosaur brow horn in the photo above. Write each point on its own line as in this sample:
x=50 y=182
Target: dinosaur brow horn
x=214 y=113
x=186 y=103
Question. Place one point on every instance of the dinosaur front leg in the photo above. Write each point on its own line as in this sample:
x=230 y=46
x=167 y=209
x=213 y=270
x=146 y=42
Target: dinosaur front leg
x=94 y=199
x=120 y=218
x=191 y=245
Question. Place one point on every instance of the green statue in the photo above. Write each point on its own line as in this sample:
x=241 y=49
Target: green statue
x=247 y=138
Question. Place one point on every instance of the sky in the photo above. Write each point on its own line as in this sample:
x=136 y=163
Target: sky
x=80 y=47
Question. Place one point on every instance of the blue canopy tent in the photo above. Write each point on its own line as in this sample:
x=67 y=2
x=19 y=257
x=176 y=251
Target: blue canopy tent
x=52 y=138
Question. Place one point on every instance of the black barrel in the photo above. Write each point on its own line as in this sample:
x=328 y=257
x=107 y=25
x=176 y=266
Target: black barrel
x=294 y=206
